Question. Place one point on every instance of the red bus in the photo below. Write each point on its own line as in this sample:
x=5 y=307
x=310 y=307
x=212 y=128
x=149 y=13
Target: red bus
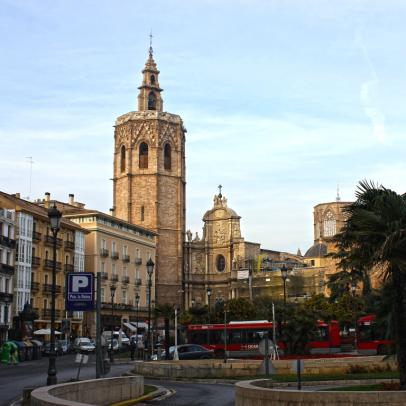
x=243 y=338
x=372 y=338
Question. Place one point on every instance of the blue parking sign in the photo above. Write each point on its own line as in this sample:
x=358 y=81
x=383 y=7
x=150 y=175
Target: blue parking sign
x=79 y=291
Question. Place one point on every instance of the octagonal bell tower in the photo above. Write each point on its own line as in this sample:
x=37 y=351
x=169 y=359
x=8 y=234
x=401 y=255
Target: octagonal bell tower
x=149 y=180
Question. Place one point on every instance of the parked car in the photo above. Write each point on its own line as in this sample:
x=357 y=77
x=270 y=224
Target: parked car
x=84 y=344
x=46 y=348
x=66 y=346
x=116 y=334
x=188 y=351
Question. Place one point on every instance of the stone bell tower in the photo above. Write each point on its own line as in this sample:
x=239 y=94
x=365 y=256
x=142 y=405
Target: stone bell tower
x=149 y=180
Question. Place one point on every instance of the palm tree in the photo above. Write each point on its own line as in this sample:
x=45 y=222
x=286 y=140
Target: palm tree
x=375 y=236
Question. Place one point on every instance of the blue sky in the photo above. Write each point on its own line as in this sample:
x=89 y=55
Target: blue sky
x=282 y=100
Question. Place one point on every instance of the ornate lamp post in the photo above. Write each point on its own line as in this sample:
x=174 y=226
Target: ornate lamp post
x=7 y=301
x=137 y=303
x=150 y=271
x=54 y=216
x=112 y=293
x=284 y=276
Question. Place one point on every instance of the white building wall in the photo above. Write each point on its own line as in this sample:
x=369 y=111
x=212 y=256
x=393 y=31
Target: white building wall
x=22 y=276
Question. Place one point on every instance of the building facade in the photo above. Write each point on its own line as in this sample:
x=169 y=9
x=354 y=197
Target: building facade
x=149 y=180
x=119 y=251
x=34 y=262
x=7 y=269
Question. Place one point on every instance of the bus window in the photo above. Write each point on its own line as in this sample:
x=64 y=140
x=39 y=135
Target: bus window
x=321 y=334
x=235 y=336
x=198 y=337
x=216 y=337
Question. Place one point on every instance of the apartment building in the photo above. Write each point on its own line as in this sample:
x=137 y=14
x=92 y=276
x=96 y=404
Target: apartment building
x=34 y=262
x=120 y=251
x=7 y=255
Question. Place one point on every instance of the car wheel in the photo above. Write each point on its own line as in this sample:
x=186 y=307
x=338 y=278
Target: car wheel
x=218 y=354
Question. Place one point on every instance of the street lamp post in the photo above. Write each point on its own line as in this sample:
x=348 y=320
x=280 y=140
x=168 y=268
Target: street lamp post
x=208 y=302
x=54 y=216
x=7 y=300
x=150 y=270
x=137 y=303
x=112 y=293
x=284 y=275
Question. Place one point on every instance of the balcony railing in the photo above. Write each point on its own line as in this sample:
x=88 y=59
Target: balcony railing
x=6 y=296
x=138 y=261
x=104 y=275
x=49 y=263
x=46 y=313
x=126 y=258
x=35 y=262
x=114 y=278
x=47 y=288
x=69 y=245
x=138 y=281
x=35 y=286
x=104 y=252
x=114 y=255
x=8 y=269
x=125 y=279
x=7 y=241
x=49 y=239
x=36 y=236
x=68 y=267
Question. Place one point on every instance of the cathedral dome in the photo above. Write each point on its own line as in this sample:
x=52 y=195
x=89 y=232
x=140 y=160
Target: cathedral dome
x=220 y=211
x=317 y=250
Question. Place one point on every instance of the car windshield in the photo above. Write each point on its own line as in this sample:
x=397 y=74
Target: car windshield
x=84 y=341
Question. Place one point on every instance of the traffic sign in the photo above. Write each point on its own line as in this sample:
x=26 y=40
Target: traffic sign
x=79 y=291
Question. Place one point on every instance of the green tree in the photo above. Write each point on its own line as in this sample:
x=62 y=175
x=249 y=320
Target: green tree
x=375 y=236
x=241 y=309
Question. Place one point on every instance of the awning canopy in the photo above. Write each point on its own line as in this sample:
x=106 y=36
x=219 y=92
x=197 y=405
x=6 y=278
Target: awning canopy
x=45 y=332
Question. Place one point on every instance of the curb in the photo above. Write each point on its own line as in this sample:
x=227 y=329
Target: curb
x=159 y=392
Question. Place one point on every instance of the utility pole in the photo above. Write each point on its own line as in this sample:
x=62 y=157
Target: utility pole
x=99 y=352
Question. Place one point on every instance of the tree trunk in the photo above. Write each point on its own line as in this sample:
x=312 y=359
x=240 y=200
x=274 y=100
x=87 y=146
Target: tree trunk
x=399 y=281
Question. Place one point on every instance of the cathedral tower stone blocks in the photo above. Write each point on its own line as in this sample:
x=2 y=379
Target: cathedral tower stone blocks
x=149 y=180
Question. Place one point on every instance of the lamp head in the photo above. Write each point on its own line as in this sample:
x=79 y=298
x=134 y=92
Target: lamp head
x=137 y=298
x=209 y=291
x=54 y=216
x=284 y=272
x=150 y=266
x=112 y=290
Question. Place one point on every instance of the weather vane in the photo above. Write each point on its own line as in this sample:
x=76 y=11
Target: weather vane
x=150 y=44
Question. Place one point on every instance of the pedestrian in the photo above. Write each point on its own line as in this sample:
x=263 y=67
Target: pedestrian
x=133 y=347
x=140 y=348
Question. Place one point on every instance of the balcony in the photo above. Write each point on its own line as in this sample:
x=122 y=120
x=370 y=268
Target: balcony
x=114 y=255
x=104 y=252
x=35 y=262
x=68 y=268
x=69 y=245
x=125 y=279
x=114 y=278
x=104 y=275
x=138 y=261
x=36 y=236
x=7 y=269
x=138 y=281
x=49 y=239
x=6 y=296
x=126 y=258
x=34 y=286
x=47 y=288
x=46 y=313
x=49 y=264
x=6 y=241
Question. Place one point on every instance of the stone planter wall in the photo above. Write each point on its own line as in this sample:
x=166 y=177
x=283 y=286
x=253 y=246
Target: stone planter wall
x=247 y=394
x=92 y=392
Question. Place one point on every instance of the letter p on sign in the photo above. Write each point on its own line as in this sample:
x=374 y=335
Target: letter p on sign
x=79 y=282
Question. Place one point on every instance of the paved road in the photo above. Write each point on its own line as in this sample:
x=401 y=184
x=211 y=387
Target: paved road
x=14 y=378
x=193 y=394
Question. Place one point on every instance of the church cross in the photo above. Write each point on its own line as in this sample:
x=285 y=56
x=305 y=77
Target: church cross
x=220 y=187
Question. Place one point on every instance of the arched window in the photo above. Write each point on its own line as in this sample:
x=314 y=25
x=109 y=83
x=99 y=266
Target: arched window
x=151 y=101
x=167 y=157
x=143 y=156
x=122 y=158
x=329 y=224
x=152 y=79
x=220 y=263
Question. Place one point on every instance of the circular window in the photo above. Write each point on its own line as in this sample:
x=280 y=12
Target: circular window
x=220 y=263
